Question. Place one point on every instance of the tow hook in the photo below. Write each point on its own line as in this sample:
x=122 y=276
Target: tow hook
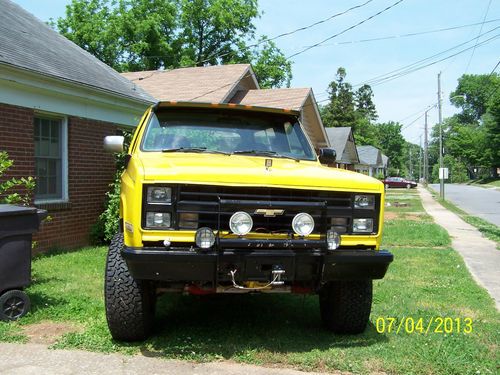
x=277 y=274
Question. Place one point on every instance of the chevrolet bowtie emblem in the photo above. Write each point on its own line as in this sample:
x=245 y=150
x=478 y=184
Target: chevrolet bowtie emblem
x=269 y=212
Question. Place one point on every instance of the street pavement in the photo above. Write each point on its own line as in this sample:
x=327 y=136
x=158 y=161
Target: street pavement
x=476 y=201
x=480 y=254
x=36 y=359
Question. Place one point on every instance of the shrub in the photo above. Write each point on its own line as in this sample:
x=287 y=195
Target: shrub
x=27 y=184
x=108 y=223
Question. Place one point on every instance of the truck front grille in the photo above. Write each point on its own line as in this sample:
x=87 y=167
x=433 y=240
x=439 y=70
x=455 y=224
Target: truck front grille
x=211 y=206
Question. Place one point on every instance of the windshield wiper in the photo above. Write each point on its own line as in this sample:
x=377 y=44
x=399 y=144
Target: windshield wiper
x=274 y=154
x=194 y=149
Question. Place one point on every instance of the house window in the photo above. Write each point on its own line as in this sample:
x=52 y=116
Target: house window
x=50 y=159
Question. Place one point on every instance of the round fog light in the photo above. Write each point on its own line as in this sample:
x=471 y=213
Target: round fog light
x=303 y=224
x=205 y=238
x=241 y=223
x=332 y=240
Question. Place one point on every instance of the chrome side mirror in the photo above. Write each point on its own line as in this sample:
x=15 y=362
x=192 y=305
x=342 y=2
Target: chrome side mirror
x=113 y=143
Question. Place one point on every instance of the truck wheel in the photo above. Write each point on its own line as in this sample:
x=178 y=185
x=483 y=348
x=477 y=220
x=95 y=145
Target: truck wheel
x=130 y=303
x=14 y=304
x=346 y=305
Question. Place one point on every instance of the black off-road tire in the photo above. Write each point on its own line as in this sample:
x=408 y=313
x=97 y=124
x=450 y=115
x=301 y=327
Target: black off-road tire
x=130 y=303
x=14 y=304
x=346 y=305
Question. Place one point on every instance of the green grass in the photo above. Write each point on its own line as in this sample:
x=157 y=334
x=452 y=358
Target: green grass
x=414 y=233
x=486 y=182
x=489 y=230
x=285 y=330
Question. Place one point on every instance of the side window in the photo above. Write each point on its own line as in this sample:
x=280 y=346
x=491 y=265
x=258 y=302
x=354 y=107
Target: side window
x=50 y=158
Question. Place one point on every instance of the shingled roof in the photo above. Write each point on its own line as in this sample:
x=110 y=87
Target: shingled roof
x=291 y=98
x=235 y=83
x=369 y=155
x=29 y=44
x=211 y=84
x=342 y=141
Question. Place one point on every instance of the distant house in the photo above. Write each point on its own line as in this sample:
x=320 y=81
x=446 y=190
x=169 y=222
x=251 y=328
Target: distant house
x=371 y=161
x=231 y=84
x=342 y=141
x=57 y=102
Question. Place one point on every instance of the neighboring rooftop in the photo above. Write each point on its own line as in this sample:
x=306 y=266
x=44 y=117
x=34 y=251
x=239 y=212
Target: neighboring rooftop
x=210 y=84
x=369 y=155
x=338 y=138
x=279 y=98
x=235 y=83
x=29 y=44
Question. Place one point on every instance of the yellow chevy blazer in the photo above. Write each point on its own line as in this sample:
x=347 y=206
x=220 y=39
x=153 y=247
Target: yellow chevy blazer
x=225 y=198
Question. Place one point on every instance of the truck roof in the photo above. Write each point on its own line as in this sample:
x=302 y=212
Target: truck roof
x=231 y=106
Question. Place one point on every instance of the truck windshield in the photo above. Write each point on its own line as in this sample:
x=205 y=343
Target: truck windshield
x=219 y=132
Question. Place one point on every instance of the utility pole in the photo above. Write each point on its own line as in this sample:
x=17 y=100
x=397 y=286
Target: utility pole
x=440 y=114
x=426 y=152
x=420 y=160
x=411 y=166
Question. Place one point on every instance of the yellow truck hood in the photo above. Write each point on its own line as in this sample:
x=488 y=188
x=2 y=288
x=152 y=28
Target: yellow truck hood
x=237 y=170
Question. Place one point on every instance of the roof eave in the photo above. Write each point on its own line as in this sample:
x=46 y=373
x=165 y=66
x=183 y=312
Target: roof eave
x=81 y=84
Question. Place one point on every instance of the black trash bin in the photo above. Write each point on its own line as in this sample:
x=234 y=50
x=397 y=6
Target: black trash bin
x=17 y=225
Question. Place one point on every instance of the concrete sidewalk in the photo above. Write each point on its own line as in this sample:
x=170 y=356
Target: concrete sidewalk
x=480 y=254
x=36 y=359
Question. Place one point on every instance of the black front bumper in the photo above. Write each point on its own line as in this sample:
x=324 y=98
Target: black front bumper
x=301 y=265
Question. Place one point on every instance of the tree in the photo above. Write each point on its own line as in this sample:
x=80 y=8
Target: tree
x=473 y=95
x=271 y=67
x=364 y=102
x=479 y=122
x=211 y=29
x=340 y=110
x=133 y=35
x=350 y=108
x=392 y=143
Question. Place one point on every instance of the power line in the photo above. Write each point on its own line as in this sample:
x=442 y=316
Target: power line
x=495 y=68
x=397 y=73
x=381 y=76
x=478 y=35
x=321 y=21
x=285 y=34
x=345 y=30
x=413 y=114
x=435 y=62
x=409 y=34
x=215 y=55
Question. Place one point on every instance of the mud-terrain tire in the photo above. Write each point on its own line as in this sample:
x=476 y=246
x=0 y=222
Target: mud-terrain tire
x=130 y=303
x=346 y=305
x=14 y=304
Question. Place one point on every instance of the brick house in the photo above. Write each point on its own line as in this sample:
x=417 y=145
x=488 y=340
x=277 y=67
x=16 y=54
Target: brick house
x=57 y=102
x=234 y=83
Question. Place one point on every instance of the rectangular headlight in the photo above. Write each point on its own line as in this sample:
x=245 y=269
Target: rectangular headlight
x=158 y=219
x=362 y=225
x=364 y=201
x=159 y=194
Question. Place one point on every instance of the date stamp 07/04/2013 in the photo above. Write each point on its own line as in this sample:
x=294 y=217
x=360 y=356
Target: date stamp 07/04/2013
x=410 y=325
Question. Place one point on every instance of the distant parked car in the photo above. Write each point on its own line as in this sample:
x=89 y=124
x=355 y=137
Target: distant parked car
x=398 y=182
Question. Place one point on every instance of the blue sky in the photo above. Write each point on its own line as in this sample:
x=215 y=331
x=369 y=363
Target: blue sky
x=399 y=98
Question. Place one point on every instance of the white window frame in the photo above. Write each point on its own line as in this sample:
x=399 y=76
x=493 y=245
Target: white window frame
x=64 y=156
